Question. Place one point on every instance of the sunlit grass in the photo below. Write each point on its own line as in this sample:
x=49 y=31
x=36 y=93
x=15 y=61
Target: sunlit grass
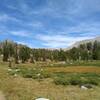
x=21 y=88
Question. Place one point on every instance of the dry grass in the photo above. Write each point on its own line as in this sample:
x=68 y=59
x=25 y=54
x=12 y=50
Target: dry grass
x=27 y=89
x=18 y=88
x=78 y=69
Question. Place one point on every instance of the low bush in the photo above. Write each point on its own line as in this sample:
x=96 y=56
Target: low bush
x=75 y=81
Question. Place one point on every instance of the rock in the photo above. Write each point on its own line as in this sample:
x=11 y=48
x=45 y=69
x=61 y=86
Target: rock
x=89 y=86
x=41 y=69
x=84 y=88
x=41 y=99
x=9 y=69
x=15 y=75
x=38 y=74
x=17 y=70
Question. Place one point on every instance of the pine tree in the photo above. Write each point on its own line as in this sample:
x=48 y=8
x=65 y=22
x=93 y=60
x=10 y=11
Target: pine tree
x=24 y=53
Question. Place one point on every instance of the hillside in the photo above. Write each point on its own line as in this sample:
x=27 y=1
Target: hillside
x=83 y=42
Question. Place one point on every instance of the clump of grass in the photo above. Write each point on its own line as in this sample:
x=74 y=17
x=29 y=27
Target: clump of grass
x=31 y=73
x=75 y=81
x=13 y=71
x=61 y=81
x=27 y=73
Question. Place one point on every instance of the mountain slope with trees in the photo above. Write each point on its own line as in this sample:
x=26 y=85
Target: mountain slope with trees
x=10 y=50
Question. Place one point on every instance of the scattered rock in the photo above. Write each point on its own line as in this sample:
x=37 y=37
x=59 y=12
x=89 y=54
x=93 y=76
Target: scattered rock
x=17 y=70
x=9 y=69
x=41 y=99
x=86 y=86
x=15 y=75
x=41 y=69
x=38 y=74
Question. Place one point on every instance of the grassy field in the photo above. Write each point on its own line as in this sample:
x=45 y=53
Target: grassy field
x=36 y=80
x=78 y=69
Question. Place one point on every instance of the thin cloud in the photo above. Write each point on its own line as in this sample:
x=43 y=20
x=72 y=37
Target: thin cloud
x=58 y=40
x=20 y=33
x=36 y=24
x=5 y=17
x=25 y=43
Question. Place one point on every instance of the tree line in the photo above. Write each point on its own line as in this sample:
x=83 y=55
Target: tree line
x=22 y=53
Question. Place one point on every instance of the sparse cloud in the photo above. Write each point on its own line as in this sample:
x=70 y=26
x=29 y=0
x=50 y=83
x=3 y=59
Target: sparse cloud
x=61 y=22
x=25 y=43
x=5 y=17
x=36 y=24
x=58 y=41
x=20 y=33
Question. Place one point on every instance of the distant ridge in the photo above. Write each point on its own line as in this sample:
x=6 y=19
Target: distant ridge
x=74 y=45
x=83 y=42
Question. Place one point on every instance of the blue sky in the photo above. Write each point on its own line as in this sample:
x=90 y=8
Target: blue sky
x=49 y=23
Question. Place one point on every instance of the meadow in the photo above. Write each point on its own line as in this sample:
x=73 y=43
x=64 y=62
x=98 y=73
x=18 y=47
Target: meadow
x=50 y=80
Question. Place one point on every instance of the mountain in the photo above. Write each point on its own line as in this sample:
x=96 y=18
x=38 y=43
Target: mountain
x=83 y=42
x=74 y=45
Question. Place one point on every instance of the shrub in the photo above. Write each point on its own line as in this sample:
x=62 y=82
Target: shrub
x=45 y=74
x=75 y=81
x=93 y=82
x=61 y=81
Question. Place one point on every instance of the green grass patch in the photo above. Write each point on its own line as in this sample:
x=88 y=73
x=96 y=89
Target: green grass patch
x=34 y=73
x=77 y=78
